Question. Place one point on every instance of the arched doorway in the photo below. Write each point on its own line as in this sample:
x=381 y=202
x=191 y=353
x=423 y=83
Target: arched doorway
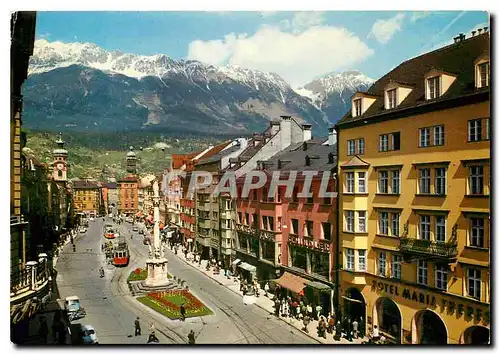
x=354 y=305
x=428 y=328
x=476 y=335
x=387 y=317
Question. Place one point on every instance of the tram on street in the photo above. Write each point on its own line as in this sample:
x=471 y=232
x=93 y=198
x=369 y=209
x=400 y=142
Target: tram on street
x=109 y=233
x=121 y=255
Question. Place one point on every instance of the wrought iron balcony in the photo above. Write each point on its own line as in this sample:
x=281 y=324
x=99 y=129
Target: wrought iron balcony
x=432 y=249
x=249 y=230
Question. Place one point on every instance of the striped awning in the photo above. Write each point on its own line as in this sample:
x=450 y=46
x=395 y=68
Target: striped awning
x=292 y=282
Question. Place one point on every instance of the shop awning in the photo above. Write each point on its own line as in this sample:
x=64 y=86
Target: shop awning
x=247 y=266
x=319 y=286
x=351 y=299
x=236 y=261
x=292 y=282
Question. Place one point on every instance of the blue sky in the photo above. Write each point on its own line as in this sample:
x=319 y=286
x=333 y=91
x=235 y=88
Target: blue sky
x=297 y=45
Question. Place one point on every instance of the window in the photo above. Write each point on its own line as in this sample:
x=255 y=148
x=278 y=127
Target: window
x=362 y=221
x=247 y=219
x=425 y=137
x=396 y=266
x=395 y=224
x=390 y=142
x=383 y=182
x=441 y=276
x=383 y=223
x=476 y=232
x=381 y=266
x=349 y=216
x=422 y=272
x=476 y=180
x=484 y=74
x=295 y=226
x=308 y=228
x=474 y=283
x=440 y=234
x=391 y=99
x=487 y=126
x=425 y=227
x=351 y=145
x=439 y=135
x=384 y=142
x=327 y=230
x=440 y=182
x=361 y=146
x=424 y=180
x=350 y=182
x=475 y=130
x=395 y=183
x=362 y=182
x=357 y=107
x=349 y=252
x=433 y=85
x=362 y=260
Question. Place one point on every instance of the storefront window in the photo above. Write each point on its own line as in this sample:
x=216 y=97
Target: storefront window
x=268 y=250
x=254 y=247
x=298 y=258
x=243 y=240
x=320 y=264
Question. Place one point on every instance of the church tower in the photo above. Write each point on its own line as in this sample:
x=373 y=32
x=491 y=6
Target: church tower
x=60 y=164
x=131 y=161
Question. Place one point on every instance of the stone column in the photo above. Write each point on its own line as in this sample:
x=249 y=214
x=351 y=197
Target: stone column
x=31 y=266
x=42 y=258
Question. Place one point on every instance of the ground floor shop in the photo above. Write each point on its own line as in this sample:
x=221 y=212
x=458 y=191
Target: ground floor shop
x=411 y=315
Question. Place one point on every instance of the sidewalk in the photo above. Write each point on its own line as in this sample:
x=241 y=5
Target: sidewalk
x=263 y=302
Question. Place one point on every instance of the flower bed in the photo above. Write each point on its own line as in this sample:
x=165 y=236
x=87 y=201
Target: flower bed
x=169 y=303
x=138 y=274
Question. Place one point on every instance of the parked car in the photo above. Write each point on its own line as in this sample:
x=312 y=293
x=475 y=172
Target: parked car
x=88 y=335
x=73 y=307
x=135 y=229
x=83 y=230
x=141 y=232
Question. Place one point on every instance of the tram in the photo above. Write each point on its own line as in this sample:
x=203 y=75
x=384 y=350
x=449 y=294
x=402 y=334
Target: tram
x=109 y=233
x=121 y=255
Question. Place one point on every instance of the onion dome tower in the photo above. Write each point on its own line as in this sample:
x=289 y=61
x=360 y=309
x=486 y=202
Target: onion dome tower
x=60 y=163
x=131 y=161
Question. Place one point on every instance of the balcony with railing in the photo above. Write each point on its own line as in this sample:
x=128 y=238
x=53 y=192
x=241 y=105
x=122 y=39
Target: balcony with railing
x=248 y=230
x=267 y=235
x=430 y=249
x=31 y=280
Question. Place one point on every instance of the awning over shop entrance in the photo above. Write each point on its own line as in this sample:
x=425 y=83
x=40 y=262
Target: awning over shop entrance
x=247 y=266
x=319 y=286
x=236 y=261
x=292 y=282
x=351 y=299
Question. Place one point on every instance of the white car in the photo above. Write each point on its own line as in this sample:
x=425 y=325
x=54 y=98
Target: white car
x=88 y=335
x=83 y=230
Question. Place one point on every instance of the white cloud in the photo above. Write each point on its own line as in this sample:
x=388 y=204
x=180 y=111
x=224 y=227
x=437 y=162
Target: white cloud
x=417 y=15
x=383 y=30
x=297 y=57
x=268 y=13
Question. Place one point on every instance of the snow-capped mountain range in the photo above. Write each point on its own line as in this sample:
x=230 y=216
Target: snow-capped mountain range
x=155 y=89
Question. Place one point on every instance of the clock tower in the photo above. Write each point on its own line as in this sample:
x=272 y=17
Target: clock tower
x=59 y=172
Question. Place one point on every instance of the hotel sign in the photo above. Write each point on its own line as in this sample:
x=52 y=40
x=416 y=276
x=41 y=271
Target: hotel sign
x=430 y=299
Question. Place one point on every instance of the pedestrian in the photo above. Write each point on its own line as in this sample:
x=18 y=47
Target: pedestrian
x=152 y=334
x=349 y=330
x=191 y=337
x=137 y=327
x=322 y=327
x=276 y=307
x=44 y=329
x=355 y=328
x=266 y=288
x=318 y=311
x=185 y=253
x=331 y=323
x=361 y=332
x=338 y=331
x=309 y=310
x=183 y=312
x=306 y=322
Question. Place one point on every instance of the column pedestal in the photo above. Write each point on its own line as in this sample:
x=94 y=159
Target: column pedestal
x=157 y=272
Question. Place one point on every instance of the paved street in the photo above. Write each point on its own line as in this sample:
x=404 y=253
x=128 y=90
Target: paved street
x=112 y=310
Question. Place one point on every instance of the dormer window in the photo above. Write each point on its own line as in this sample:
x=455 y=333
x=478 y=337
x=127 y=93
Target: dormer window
x=433 y=87
x=357 y=107
x=483 y=74
x=391 y=99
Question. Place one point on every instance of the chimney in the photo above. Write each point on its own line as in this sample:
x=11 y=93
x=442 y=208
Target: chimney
x=479 y=30
x=331 y=158
x=286 y=131
x=485 y=29
x=456 y=39
x=462 y=37
x=332 y=136
x=275 y=126
x=307 y=130
x=473 y=33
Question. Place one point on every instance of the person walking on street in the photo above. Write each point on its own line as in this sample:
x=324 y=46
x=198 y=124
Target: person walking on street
x=276 y=307
x=191 y=337
x=355 y=328
x=306 y=322
x=318 y=311
x=183 y=312
x=266 y=289
x=322 y=327
x=309 y=310
x=137 y=326
x=152 y=334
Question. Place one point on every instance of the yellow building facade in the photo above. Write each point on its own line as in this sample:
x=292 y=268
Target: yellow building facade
x=86 y=197
x=414 y=183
